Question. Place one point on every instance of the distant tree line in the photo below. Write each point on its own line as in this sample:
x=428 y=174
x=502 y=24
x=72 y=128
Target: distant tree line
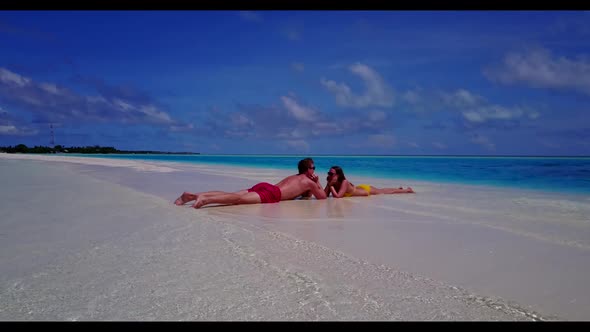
x=21 y=148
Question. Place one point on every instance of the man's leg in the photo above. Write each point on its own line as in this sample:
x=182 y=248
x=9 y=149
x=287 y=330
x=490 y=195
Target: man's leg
x=227 y=198
x=187 y=196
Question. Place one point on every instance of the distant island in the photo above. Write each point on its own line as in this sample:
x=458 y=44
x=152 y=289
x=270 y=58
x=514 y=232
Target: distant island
x=96 y=149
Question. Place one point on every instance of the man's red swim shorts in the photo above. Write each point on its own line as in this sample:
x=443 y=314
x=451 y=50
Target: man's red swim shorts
x=268 y=193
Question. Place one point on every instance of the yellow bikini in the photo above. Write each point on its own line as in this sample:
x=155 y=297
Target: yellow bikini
x=366 y=187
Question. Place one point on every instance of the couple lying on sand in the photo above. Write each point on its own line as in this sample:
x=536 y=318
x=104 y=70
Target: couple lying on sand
x=304 y=184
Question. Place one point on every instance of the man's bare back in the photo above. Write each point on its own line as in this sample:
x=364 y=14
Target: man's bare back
x=295 y=185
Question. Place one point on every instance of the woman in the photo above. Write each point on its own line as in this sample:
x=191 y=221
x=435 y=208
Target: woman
x=339 y=186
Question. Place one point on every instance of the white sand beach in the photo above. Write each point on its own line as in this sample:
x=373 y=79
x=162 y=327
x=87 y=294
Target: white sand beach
x=99 y=239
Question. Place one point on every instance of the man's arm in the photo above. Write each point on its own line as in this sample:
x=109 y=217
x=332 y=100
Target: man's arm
x=306 y=195
x=316 y=188
x=318 y=191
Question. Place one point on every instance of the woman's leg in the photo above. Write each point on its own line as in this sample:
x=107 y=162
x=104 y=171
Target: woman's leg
x=400 y=190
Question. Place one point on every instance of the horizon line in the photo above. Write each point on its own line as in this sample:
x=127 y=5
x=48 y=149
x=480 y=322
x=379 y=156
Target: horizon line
x=364 y=155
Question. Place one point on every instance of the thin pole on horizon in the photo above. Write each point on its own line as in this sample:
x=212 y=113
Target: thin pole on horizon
x=52 y=139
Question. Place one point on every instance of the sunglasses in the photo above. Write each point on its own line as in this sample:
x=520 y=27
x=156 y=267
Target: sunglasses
x=331 y=174
x=312 y=168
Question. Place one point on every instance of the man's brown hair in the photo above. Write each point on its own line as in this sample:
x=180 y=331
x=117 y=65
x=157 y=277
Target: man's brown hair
x=304 y=165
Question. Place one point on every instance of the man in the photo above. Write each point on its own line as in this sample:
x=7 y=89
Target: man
x=289 y=188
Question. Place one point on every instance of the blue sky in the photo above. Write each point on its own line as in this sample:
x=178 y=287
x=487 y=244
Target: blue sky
x=299 y=82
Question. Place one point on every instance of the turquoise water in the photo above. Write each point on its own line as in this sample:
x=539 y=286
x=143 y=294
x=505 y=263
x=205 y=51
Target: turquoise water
x=561 y=174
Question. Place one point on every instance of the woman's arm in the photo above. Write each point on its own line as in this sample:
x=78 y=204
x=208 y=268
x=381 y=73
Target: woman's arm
x=330 y=182
x=334 y=193
x=327 y=189
x=342 y=190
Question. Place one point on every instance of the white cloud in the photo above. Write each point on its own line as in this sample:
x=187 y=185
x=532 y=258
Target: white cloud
x=152 y=112
x=299 y=112
x=495 y=112
x=6 y=76
x=298 y=66
x=11 y=126
x=8 y=130
x=338 y=65
x=215 y=147
x=533 y=115
x=298 y=144
x=572 y=25
x=473 y=116
x=240 y=120
x=483 y=141
x=377 y=116
x=462 y=98
x=382 y=140
x=96 y=99
x=476 y=109
x=378 y=93
x=123 y=105
x=50 y=102
x=292 y=133
x=293 y=34
x=439 y=145
x=292 y=120
x=250 y=16
x=51 y=88
x=182 y=128
x=539 y=68
x=329 y=128
x=342 y=91
x=550 y=144
x=31 y=100
x=411 y=97
x=327 y=125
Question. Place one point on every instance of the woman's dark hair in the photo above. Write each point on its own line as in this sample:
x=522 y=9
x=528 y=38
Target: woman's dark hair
x=304 y=165
x=339 y=173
